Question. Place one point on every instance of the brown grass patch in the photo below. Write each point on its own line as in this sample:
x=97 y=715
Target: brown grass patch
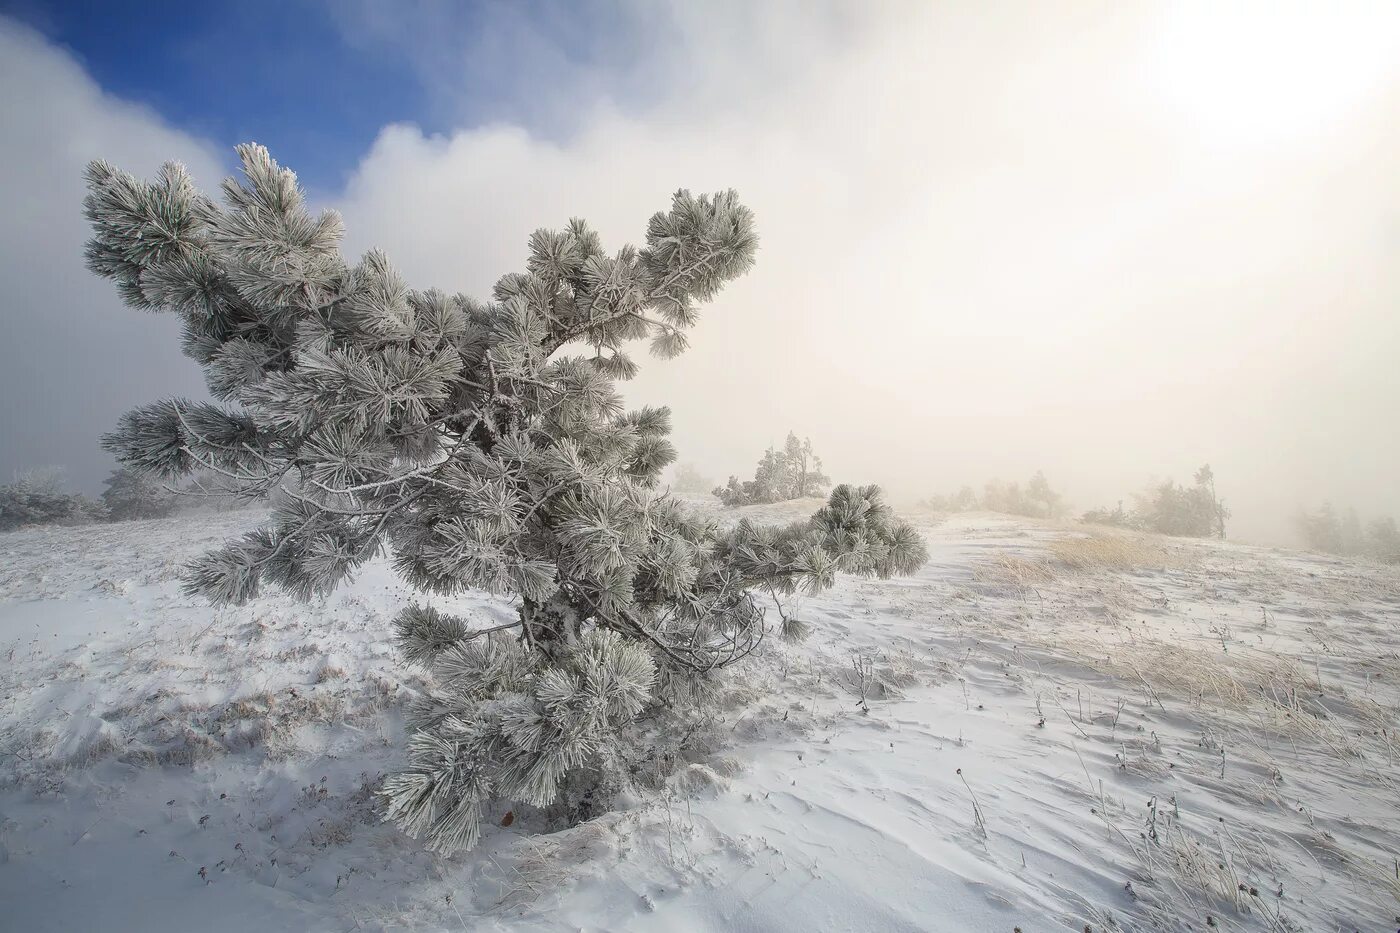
x=1107 y=551
x=1017 y=571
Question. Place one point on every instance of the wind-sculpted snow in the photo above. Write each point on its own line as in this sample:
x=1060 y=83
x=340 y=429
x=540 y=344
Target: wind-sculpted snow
x=1128 y=733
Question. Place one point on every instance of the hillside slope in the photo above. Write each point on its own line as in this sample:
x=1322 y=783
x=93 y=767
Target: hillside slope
x=1057 y=730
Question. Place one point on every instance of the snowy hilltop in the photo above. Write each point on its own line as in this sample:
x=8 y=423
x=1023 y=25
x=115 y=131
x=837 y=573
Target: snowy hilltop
x=1043 y=729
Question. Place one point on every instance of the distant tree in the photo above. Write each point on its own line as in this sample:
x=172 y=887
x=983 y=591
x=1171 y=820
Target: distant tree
x=772 y=481
x=1205 y=480
x=48 y=480
x=1353 y=536
x=1186 y=511
x=689 y=480
x=938 y=503
x=1044 y=500
x=1007 y=498
x=1163 y=508
x=805 y=476
x=1321 y=529
x=132 y=495
x=1383 y=540
x=1332 y=532
x=790 y=473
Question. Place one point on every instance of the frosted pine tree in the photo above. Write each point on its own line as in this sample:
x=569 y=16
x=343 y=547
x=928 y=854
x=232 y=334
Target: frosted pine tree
x=481 y=444
x=805 y=476
x=791 y=473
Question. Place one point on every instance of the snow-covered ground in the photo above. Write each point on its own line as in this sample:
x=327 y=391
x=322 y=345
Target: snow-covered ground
x=1063 y=732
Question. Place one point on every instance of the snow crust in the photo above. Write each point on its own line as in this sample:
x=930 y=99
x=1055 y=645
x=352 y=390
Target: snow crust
x=1063 y=730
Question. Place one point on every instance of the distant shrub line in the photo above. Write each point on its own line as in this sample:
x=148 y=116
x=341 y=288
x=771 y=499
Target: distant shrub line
x=38 y=497
x=1330 y=531
x=1035 y=500
x=1166 y=507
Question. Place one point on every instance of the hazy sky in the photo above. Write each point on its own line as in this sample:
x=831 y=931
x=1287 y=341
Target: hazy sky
x=1110 y=241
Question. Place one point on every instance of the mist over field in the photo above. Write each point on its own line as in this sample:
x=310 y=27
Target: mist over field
x=1106 y=242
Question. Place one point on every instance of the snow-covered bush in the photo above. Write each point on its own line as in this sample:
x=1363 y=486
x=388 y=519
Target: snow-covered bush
x=1188 y=511
x=38 y=497
x=1170 y=509
x=462 y=437
x=1116 y=517
x=132 y=495
x=794 y=472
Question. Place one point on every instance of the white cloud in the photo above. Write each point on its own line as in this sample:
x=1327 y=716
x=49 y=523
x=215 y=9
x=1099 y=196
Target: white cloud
x=990 y=244
x=74 y=358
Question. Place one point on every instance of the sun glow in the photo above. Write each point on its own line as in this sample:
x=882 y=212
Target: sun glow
x=1266 y=72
